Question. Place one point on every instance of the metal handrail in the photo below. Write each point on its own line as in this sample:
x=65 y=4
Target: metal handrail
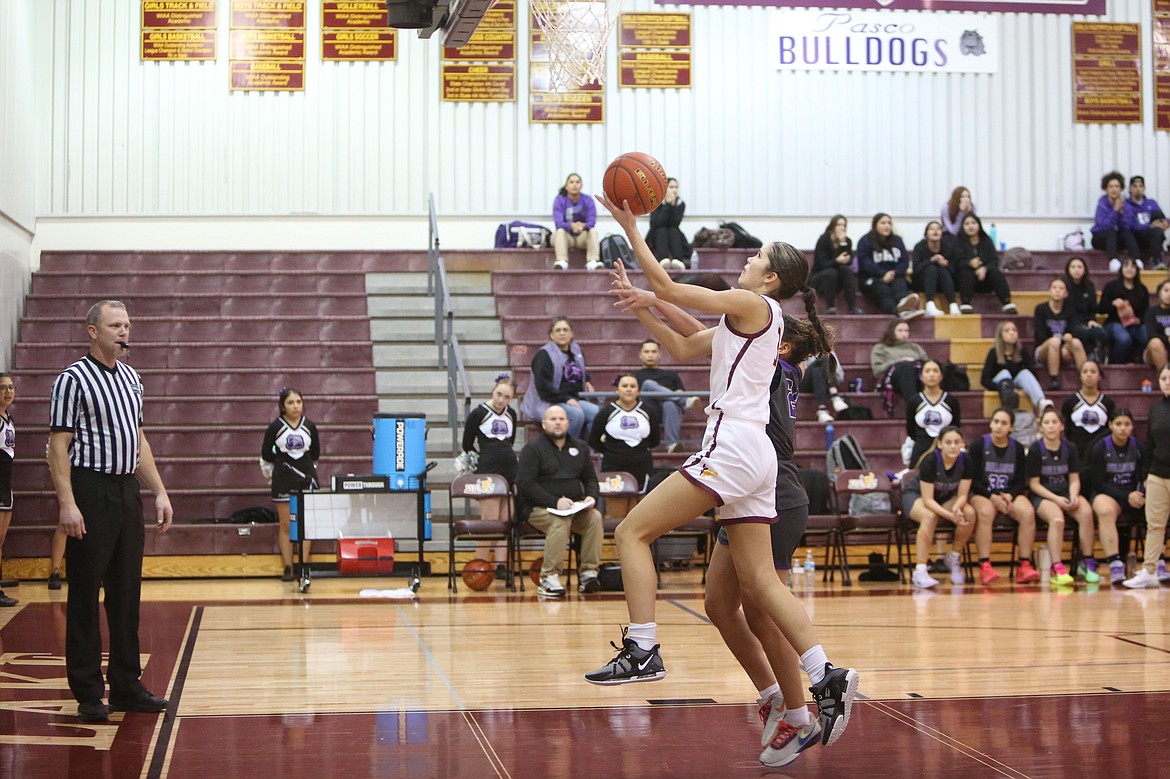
x=455 y=371
x=450 y=354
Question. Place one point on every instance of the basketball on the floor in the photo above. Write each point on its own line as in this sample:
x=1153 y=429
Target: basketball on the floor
x=637 y=178
x=534 y=569
x=479 y=574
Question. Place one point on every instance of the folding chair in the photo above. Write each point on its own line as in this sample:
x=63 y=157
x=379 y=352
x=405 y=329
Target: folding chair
x=890 y=523
x=478 y=486
x=616 y=484
x=699 y=527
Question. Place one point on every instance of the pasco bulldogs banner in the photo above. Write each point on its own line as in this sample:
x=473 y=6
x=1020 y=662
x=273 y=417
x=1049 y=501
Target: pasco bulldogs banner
x=884 y=40
x=1013 y=6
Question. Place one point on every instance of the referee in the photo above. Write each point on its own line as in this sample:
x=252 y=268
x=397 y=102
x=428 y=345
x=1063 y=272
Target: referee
x=96 y=444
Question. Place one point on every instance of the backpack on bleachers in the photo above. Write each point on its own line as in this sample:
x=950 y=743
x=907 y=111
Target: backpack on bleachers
x=1024 y=429
x=522 y=235
x=845 y=455
x=1016 y=258
x=615 y=247
x=743 y=239
x=706 y=238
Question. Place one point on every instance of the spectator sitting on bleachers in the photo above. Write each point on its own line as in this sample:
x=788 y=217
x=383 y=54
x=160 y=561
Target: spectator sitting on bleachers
x=575 y=217
x=1109 y=230
x=832 y=268
x=928 y=413
x=1124 y=301
x=1146 y=220
x=491 y=431
x=1086 y=414
x=559 y=376
x=1008 y=366
x=821 y=377
x=1115 y=475
x=882 y=262
x=665 y=238
x=933 y=261
x=1054 y=480
x=955 y=210
x=977 y=267
x=1153 y=570
x=940 y=490
x=895 y=361
x=1000 y=487
x=1053 y=325
x=623 y=433
x=1157 y=351
x=1082 y=298
x=652 y=378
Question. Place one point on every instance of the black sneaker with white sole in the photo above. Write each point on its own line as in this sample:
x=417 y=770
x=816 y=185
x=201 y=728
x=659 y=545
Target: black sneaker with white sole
x=588 y=582
x=632 y=664
x=834 y=697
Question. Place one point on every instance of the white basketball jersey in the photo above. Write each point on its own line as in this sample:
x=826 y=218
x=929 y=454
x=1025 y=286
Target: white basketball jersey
x=742 y=366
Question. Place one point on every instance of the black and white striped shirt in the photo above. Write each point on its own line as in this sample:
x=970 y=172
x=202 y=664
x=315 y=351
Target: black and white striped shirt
x=102 y=407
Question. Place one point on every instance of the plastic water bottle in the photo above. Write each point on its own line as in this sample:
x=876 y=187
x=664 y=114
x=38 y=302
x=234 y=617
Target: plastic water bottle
x=857 y=384
x=796 y=575
x=829 y=432
x=694 y=259
x=1131 y=565
x=810 y=570
x=1044 y=563
x=994 y=235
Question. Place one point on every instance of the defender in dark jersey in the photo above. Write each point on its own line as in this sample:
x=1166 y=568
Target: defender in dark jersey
x=941 y=490
x=1116 y=480
x=1055 y=482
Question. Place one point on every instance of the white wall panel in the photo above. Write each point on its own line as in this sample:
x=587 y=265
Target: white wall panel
x=126 y=138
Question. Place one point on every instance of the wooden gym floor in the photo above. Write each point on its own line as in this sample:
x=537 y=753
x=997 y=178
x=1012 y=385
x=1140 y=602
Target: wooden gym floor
x=265 y=681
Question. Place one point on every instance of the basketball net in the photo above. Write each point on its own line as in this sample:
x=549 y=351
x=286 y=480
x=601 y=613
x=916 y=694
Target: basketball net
x=576 y=32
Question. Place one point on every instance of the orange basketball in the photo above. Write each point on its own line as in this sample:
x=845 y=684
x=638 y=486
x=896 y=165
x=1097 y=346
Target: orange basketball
x=479 y=574
x=534 y=569
x=637 y=178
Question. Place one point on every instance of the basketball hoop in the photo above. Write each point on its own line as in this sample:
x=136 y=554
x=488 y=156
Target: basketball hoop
x=576 y=32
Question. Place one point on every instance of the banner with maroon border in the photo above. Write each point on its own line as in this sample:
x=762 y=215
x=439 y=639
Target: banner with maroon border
x=268 y=45
x=356 y=32
x=1086 y=7
x=179 y=30
x=583 y=104
x=654 y=50
x=1161 y=47
x=1107 y=73
x=484 y=70
x=494 y=39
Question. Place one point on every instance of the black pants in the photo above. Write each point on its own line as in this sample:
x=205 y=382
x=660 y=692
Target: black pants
x=1149 y=243
x=829 y=281
x=109 y=554
x=933 y=279
x=993 y=281
x=886 y=296
x=816 y=380
x=906 y=379
x=668 y=242
x=1109 y=240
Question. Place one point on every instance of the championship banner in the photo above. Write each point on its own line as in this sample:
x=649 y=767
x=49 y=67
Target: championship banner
x=1107 y=73
x=1086 y=7
x=178 y=30
x=268 y=45
x=1161 y=64
x=884 y=41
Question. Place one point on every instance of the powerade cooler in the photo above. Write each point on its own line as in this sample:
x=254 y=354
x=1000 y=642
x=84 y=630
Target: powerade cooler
x=400 y=450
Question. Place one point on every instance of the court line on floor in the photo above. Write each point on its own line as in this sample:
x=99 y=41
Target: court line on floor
x=968 y=751
x=692 y=612
x=159 y=756
x=486 y=745
x=430 y=658
x=1143 y=646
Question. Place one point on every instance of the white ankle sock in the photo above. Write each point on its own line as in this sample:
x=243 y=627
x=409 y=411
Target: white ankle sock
x=799 y=717
x=813 y=662
x=768 y=692
x=920 y=567
x=644 y=634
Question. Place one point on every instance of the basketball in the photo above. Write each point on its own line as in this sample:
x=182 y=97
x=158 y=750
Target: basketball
x=637 y=178
x=479 y=574
x=534 y=569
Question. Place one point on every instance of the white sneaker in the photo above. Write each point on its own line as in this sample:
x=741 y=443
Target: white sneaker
x=771 y=712
x=678 y=265
x=561 y=265
x=955 y=563
x=839 y=404
x=966 y=308
x=908 y=303
x=550 y=586
x=932 y=309
x=692 y=402
x=665 y=263
x=1045 y=403
x=1010 y=308
x=1114 y=265
x=955 y=310
x=823 y=416
x=923 y=580
x=594 y=265
x=1142 y=580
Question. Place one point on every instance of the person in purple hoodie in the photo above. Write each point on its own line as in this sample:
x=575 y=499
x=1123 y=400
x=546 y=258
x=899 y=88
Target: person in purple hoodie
x=1143 y=217
x=575 y=216
x=1109 y=230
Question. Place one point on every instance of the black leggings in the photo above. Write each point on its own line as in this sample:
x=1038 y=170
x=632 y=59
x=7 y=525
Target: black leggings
x=933 y=279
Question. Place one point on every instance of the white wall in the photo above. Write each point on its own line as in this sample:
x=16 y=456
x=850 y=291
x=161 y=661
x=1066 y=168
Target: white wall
x=163 y=155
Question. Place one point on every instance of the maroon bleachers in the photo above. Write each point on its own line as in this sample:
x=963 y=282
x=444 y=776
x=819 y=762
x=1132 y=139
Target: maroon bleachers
x=215 y=336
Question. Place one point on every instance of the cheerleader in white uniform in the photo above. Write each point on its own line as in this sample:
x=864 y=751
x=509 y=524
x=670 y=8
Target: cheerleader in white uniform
x=289 y=457
x=491 y=431
x=7 y=454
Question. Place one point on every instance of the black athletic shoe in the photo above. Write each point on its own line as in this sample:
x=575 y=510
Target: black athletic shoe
x=54 y=581
x=93 y=712
x=834 y=697
x=1007 y=394
x=631 y=665
x=6 y=601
